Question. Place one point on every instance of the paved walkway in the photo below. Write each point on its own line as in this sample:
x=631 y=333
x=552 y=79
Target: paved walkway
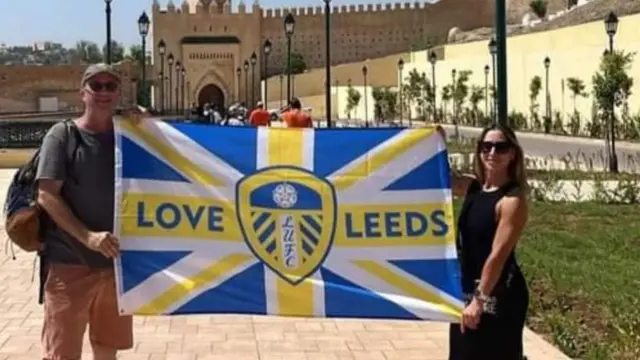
x=231 y=337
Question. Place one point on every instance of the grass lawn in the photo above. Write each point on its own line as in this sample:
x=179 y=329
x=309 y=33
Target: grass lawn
x=582 y=262
x=13 y=158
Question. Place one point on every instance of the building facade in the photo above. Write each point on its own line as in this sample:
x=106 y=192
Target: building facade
x=212 y=41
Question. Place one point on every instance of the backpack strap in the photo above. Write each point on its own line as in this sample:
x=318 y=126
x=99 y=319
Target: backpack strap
x=73 y=140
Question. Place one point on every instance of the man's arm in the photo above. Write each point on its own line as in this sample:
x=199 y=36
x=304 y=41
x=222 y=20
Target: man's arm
x=51 y=174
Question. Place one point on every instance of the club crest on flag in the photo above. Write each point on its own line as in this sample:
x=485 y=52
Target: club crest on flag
x=287 y=218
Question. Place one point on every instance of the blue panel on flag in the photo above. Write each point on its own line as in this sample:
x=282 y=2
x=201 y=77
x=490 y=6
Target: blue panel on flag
x=139 y=265
x=337 y=148
x=138 y=163
x=236 y=145
x=346 y=299
x=426 y=176
x=441 y=273
x=238 y=292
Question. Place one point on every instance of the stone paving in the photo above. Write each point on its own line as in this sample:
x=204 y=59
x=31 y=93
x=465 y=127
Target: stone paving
x=230 y=337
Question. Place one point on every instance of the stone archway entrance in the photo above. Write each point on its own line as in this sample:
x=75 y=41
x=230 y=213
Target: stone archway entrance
x=211 y=94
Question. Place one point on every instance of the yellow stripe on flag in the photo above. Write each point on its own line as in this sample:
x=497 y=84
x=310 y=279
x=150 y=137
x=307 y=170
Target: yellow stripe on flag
x=211 y=273
x=172 y=156
x=286 y=147
x=373 y=162
x=410 y=288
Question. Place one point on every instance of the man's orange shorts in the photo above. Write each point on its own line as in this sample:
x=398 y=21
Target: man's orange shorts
x=77 y=296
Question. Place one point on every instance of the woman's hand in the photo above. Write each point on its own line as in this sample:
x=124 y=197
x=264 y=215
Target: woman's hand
x=471 y=315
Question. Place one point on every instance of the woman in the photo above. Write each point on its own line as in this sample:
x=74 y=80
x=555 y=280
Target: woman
x=491 y=221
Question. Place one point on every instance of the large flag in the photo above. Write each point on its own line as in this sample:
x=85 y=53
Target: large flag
x=297 y=222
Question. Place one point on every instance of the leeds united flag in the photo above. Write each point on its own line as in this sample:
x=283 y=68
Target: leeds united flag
x=297 y=222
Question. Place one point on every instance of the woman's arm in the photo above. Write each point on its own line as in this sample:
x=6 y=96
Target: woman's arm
x=460 y=183
x=513 y=213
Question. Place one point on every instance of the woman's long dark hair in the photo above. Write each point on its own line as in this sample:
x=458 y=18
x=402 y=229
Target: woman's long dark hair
x=516 y=170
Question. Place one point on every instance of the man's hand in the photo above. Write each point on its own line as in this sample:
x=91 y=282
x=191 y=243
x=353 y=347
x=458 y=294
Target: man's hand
x=105 y=243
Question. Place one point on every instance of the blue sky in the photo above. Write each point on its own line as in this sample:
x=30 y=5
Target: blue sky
x=68 y=21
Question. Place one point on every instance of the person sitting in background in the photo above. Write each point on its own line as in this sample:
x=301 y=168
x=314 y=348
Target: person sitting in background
x=260 y=116
x=295 y=117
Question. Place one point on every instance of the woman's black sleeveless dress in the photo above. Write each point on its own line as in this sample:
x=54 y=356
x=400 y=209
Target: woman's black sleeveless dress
x=499 y=334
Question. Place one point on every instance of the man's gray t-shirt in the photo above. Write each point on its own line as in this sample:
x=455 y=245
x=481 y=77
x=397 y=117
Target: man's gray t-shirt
x=88 y=190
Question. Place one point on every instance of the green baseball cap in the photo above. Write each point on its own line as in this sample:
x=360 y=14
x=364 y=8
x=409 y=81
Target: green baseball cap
x=101 y=68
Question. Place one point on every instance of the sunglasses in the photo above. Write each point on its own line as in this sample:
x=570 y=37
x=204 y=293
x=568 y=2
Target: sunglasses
x=500 y=147
x=96 y=86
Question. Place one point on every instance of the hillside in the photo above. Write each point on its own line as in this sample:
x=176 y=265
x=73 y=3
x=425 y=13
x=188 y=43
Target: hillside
x=593 y=11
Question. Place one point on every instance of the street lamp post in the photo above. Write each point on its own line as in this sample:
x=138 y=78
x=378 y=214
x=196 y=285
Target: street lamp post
x=245 y=66
x=433 y=59
x=366 y=103
x=183 y=73
x=400 y=67
x=501 y=41
x=486 y=90
x=239 y=75
x=327 y=62
x=266 y=49
x=178 y=70
x=162 y=48
x=143 y=28
x=611 y=25
x=107 y=12
x=493 y=49
x=453 y=94
x=170 y=71
x=289 y=27
x=254 y=61
x=547 y=112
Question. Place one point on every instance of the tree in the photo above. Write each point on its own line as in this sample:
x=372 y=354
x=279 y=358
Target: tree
x=413 y=91
x=298 y=65
x=117 y=51
x=539 y=7
x=612 y=87
x=534 y=91
x=385 y=102
x=445 y=95
x=88 y=52
x=135 y=54
x=576 y=86
x=477 y=95
x=353 y=100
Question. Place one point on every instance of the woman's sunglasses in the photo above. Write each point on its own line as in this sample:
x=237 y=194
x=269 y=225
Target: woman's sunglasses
x=501 y=147
x=96 y=86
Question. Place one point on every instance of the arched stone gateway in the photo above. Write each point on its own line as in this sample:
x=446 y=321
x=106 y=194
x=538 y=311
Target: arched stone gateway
x=211 y=94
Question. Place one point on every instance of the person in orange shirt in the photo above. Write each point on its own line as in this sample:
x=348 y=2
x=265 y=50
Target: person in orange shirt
x=295 y=117
x=260 y=116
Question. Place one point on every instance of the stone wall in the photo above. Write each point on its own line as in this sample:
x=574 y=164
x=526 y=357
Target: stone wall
x=21 y=87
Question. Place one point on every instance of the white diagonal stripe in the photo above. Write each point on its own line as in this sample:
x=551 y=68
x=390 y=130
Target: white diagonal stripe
x=364 y=157
x=400 y=166
x=420 y=308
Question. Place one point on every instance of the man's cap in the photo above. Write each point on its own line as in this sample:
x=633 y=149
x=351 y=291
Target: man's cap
x=259 y=104
x=96 y=69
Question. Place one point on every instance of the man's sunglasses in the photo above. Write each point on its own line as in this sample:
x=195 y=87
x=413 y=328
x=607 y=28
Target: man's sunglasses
x=96 y=86
x=501 y=147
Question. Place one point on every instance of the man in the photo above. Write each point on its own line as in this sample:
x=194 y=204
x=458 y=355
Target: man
x=80 y=289
x=260 y=116
x=295 y=117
